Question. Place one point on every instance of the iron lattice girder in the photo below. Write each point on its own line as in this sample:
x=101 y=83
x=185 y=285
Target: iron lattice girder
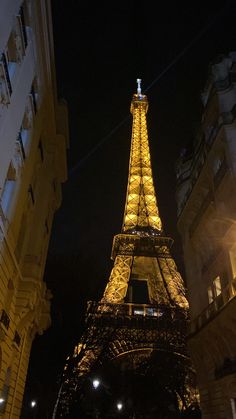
x=158 y=327
x=138 y=245
x=141 y=206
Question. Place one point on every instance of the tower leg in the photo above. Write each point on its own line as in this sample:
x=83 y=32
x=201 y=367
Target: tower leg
x=116 y=288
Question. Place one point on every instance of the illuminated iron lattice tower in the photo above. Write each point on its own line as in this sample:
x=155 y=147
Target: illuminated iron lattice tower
x=140 y=324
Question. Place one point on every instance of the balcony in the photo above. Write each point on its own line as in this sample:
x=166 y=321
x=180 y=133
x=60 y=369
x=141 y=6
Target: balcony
x=211 y=311
x=218 y=177
x=5 y=83
x=201 y=154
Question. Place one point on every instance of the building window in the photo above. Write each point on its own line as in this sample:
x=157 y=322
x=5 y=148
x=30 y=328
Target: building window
x=214 y=290
x=22 y=16
x=12 y=56
x=232 y=255
x=217 y=165
x=24 y=135
x=17 y=338
x=23 y=138
x=219 y=170
x=40 y=147
x=5 y=82
x=34 y=95
x=8 y=189
x=25 y=13
x=5 y=319
x=10 y=59
x=217 y=286
x=210 y=295
x=15 y=49
x=20 y=142
x=233 y=408
x=28 y=115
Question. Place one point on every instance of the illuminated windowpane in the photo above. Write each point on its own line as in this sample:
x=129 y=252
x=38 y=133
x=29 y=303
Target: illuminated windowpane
x=217 y=286
x=232 y=255
x=233 y=407
x=8 y=189
x=210 y=295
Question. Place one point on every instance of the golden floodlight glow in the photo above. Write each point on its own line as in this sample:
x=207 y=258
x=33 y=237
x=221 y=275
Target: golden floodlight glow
x=140 y=253
x=141 y=207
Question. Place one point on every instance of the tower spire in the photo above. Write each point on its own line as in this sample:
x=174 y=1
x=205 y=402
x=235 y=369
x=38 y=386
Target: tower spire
x=141 y=211
x=139 y=92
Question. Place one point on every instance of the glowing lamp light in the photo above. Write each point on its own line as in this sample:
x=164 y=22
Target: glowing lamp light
x=33 y=403
x=96 y=383
x=119 y=406
x=1 y=400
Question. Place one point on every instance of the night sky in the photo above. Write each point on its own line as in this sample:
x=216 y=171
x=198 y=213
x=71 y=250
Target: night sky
x=100 y=50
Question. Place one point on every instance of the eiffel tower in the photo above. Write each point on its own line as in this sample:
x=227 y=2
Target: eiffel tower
x=134 y=338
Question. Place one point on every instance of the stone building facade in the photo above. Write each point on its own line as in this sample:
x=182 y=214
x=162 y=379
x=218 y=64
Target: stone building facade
x=33 y=142
x=206 y=197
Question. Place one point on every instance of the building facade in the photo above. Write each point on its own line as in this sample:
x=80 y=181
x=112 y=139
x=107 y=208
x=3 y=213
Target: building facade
x=206 y=197
x=33 y=142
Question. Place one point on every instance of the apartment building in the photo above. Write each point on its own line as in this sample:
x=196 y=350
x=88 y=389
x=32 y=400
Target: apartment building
x=33 y=142
x=206 y=197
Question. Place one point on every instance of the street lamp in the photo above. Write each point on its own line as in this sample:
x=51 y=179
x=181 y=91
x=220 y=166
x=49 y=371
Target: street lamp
x=33 y=405
x=96 y=383
x=2 y=405
x=119 y=406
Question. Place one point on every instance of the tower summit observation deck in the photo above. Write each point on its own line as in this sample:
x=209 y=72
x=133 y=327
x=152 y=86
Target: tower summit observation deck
x=134 y=338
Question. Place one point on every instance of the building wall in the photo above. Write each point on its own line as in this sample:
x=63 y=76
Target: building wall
x=33 y=142
x=206 y=196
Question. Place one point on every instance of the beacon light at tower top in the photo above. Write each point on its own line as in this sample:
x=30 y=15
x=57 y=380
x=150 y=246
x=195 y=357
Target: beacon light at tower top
x=139 y=92
x=138 y=96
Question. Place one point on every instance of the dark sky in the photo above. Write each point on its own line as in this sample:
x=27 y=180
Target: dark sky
x=100 y=49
